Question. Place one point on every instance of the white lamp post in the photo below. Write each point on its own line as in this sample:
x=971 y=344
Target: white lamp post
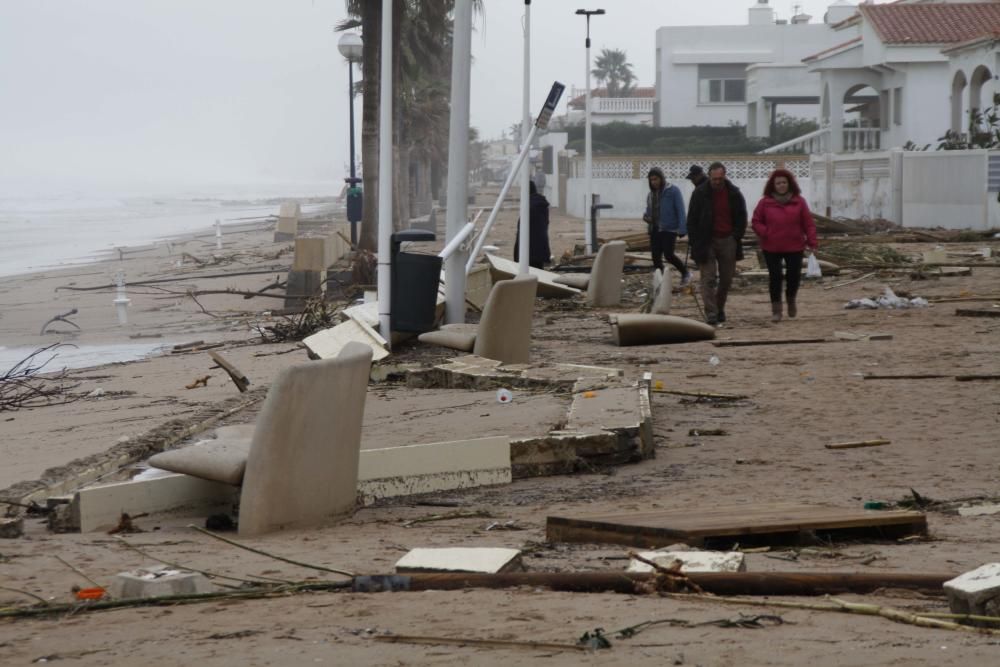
x=589 y=241
x=385 y=176
x=524 y=230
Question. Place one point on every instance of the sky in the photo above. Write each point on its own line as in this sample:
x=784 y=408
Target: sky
x=108 y=94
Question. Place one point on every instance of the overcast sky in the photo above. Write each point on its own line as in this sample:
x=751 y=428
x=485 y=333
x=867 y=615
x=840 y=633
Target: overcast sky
x=105 y=93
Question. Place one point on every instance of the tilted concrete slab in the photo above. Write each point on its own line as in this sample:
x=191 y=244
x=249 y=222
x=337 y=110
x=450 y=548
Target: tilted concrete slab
x=502 y=269
x=328 y=343
x=440 y=466
x=692 y=561
x=460 y=559
x=472 y=372
x=220 y=459
x=100 y=507
x=662 y=291
x=605 y=285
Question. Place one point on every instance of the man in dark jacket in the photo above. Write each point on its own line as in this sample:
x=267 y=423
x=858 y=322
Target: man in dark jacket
x=539 y=252
x=716 y=222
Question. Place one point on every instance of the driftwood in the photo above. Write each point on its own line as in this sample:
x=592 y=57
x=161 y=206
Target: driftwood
x=157 y=281
x=24 y=386
x=61 y=318
x=963 y=312
x=701 y=394
x=237 y=376
x=785 y=341
x=487 y=643
x=914 y=376
x=234 y=543
x=972 y=378
x=855 y=445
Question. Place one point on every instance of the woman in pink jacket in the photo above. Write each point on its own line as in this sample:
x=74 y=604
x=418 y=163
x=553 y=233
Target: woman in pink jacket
x=785 y=227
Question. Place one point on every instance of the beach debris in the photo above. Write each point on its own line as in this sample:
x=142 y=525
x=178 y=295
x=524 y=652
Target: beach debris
x=237 y=376
x=782 y=341
x=23 y=386
x=698 y=432
x=199 y=382
x=11 y=528
x=478 y=643
x=504 y=396
x=460 y=559
x=690 y=561
x=157 y=581
x=979 y=510
x=96 y=393
x=317 y=314
x=854 y=445
x=126 y=524
x=964 y=312
x=850 y=335
x=888 y=300
x=61 y=318
x=976 y=591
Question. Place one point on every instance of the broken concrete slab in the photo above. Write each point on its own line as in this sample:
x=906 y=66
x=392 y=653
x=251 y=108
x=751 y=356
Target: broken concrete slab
x=691 y=561
x=100 y=507
x=502 y=269
x=440 y=466
x=605 y=286
x=662 y=290
x=157 y=582
x=312 y=253
x=472 y=372
x=460 y=559
x=635 y=329
x=976 y=591
x=288 y=221
x=328 y=343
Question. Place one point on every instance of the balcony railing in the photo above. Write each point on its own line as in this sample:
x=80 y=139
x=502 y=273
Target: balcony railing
x=817 y=141
x=622 y=104
x=862 y=139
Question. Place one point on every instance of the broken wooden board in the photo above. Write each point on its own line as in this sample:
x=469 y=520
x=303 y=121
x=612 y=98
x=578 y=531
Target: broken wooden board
x=724 y=525
x=239 y=379
x=778 y=341
x=912 y=376
x=967 y=312
x=850 y=335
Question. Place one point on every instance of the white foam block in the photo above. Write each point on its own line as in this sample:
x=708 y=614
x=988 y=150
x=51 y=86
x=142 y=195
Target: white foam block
x=460 y=559
x=328 y=343
x=692 y=561
x=976 y=586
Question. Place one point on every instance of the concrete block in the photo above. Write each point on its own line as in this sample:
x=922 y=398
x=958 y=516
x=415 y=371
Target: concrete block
x=502 y=269
x=157 y=582
x=441 y=466
x=935 y=256
x=11 y=528
x=605 y=286
x=100 y=507
x=976 y=591
x=303 y=283
x=288 y=221
x=328 y=343
x=460 y=559
x=312 y=253
x=693 y=561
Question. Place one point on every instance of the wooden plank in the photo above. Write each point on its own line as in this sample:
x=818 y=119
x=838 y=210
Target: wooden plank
x=239 y=379
x=965 y=312
x=912 y=376
x=855 y=445
x=971 y=378
x=780 y=341
x=657 y=528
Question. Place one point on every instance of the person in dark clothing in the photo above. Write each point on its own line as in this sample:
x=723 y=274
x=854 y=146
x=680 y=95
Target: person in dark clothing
x=538 y=230
x=696 y=175
x=716 y=222
x=665 y=217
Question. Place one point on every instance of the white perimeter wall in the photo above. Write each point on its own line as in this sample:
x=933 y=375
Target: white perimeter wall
x=945 y=189
x=628 y=196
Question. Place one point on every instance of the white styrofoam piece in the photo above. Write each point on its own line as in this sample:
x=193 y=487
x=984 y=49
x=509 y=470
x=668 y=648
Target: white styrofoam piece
x=459 y=559
x=693 y=561
x=976 y=586
x=328 y=343
x=157 y=582
x=979 y=510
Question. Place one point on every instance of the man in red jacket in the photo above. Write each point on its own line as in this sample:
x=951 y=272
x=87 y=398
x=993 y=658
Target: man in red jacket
x=785 y=227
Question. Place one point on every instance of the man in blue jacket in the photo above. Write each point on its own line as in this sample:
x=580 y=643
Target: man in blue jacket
x=667 y=221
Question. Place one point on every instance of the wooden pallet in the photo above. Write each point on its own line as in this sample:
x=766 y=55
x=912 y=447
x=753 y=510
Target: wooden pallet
x=720 y=526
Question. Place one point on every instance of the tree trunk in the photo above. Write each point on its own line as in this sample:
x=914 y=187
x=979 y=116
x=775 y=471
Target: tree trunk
x=371 y=30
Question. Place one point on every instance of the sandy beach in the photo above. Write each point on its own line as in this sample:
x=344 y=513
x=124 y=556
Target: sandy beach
x=943 y=436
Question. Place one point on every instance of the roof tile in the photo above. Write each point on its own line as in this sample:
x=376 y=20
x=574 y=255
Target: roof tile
x=932 y=23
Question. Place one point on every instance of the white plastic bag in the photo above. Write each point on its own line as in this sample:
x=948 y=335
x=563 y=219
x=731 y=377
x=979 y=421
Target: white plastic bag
x=812 y=268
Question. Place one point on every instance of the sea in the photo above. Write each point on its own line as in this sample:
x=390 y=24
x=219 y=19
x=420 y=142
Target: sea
x=61 y=228
x=67 y=227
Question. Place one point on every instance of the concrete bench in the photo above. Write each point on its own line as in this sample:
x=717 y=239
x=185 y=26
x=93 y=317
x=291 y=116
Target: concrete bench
x=503 y=332
x=300 y=466
x=604 y=282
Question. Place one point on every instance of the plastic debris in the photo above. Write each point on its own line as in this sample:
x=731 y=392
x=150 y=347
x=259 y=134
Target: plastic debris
x=504 y=396
x=888 y=300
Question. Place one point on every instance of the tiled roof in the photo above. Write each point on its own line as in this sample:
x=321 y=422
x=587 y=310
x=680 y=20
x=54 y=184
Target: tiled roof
x=856 y=40
x=931 y=23
x=985 y=36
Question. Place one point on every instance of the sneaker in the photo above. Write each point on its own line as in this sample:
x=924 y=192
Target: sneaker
x=722 y=316
x=714 y=321
x=686 y=280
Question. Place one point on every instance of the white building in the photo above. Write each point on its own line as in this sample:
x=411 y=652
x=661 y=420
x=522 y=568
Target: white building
x=637 y=108
x=906 y=72
x=718 y=75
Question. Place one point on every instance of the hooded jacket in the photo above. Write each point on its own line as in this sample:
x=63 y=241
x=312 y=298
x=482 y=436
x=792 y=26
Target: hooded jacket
x=665 y=207
x=787 y=227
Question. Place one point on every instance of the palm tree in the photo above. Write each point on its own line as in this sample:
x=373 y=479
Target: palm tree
x=613 y=69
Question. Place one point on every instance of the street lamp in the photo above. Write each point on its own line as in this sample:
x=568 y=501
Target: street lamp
x=589 y=240
x=351 y=47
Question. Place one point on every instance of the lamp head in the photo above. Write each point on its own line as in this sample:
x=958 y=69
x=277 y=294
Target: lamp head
x=351 y=46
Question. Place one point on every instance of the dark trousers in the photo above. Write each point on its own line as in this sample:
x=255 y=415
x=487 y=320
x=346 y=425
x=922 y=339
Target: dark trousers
x=662 y=245
x=793 y=273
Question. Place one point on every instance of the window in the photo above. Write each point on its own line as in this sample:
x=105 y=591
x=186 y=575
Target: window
x=722 y=84
x=897 y=106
